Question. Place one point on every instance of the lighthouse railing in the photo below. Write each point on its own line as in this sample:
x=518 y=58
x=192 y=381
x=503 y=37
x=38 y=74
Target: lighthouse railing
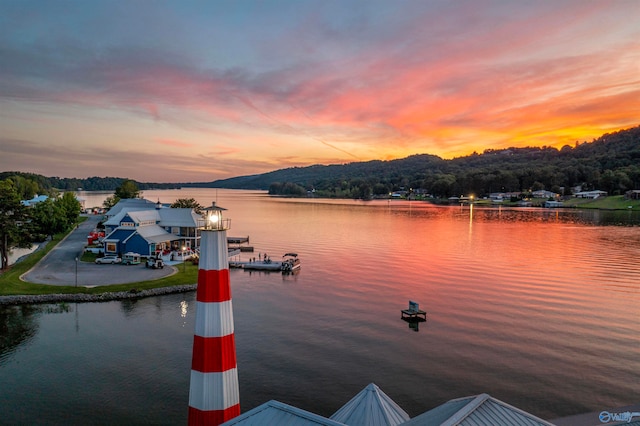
x=221 y=225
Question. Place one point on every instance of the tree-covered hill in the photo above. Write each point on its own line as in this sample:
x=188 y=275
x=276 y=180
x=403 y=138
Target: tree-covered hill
x=47 y=184
x=610 y=163
x=319 y=176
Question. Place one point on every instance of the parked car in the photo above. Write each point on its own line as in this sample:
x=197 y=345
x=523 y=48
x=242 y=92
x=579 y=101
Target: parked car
x=108 y=259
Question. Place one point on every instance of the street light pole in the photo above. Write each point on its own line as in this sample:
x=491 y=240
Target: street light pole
x=184 y=262
x=76 y=271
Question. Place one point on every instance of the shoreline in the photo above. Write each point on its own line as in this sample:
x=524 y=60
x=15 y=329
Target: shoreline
x=91 y=298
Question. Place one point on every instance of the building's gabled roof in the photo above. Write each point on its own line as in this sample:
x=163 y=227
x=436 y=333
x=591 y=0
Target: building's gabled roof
x=144 y=216
x=136 y=216
x=278 y=413
x=371 y=407
x=130 y=204
x=184 y=217
x=477 y=410
x=155 y=234
x=120 y=234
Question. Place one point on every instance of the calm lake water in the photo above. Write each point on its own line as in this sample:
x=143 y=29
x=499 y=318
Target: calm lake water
x=539 y=308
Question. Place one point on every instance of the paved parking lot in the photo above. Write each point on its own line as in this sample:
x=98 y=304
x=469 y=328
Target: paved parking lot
x=59 y=266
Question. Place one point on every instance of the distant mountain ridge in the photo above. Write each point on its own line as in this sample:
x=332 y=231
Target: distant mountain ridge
x=313 y=175
x=584 y=163
x=610 y=162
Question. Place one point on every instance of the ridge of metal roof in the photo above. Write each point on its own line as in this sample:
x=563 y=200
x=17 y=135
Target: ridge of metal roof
x=278 y=413
x=481 y=409
x=371 y=407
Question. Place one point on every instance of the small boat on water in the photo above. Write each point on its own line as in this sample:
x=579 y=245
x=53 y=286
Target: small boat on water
x=290 y=262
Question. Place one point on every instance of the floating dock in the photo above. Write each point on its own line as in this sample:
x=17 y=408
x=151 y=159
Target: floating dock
x=257 y=266
x=239 y=244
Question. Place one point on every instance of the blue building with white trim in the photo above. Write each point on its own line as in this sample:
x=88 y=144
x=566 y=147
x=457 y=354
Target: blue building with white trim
x=140 y=226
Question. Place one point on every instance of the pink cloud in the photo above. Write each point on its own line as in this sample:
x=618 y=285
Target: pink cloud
x=174 y=143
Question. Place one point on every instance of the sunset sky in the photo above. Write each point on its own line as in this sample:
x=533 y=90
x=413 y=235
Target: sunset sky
x=183 y=91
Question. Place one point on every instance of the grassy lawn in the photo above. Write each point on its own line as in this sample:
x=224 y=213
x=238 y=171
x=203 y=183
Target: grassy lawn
x=10 y=283
x=614 y=202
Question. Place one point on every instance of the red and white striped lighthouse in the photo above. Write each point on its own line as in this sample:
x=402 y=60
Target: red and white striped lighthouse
x=213 y=392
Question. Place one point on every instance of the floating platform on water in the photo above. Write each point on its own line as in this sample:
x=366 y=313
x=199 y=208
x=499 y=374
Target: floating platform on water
x=257 y=266
x=238 y=242
x=414 y=313
x=289 y=263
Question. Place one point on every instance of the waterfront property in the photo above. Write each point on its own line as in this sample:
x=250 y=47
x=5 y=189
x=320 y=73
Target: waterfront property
x=139 y=226
x=511 y=313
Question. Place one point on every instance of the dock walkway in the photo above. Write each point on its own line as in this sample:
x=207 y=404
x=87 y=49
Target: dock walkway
x=257 y=266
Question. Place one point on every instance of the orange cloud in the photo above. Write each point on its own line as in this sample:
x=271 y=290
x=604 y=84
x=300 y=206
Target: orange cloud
x=174 y=143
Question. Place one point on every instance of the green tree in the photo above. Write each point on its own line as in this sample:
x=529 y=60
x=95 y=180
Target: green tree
x=444 y=185
x=288 y=188
x=128 y=189
x=48 y=218
x=187 y=203
x=110 y=202
x=380 y=189
x=71 y=208
x=13 y=219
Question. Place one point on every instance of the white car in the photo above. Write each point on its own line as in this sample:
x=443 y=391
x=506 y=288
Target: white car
x=108 y=259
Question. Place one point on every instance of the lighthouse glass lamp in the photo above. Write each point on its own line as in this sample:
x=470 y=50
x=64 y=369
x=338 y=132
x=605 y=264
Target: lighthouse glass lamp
x=213 y=218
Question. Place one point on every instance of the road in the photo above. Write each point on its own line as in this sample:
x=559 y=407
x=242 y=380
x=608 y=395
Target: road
x=59 y=266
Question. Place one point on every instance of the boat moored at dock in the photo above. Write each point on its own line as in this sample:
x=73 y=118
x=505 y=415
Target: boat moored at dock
x=290 y=262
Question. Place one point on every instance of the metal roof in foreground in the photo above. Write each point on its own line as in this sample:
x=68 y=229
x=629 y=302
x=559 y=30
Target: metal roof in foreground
x=371 y=407
x=281 y=414
x=477 y=410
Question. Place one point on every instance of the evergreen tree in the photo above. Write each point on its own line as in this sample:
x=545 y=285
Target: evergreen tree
x=187 y=203
x=13 y=222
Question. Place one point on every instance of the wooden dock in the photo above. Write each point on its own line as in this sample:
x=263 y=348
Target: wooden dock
x=239 y=243
x=237 y=240
x=257 y=266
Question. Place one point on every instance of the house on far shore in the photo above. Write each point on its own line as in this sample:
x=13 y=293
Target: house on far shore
x=544 y=194
x=590 y=194
x=634 y=194
x=143 y=227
